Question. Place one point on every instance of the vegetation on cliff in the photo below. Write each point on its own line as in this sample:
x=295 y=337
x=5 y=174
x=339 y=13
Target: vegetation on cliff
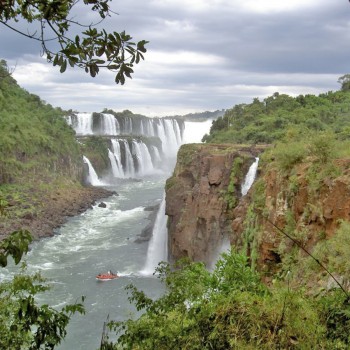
x=39 y=157
x=230 y=308
x=34 y=137
x=277 y=115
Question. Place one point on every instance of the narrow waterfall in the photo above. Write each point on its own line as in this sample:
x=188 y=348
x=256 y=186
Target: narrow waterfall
x=250 y=177
x=129 y=161
x=92 y=177
x=223 y=247
x=158 y=245
x=117 y=170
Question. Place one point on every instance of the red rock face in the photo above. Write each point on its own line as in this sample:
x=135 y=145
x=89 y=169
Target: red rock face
x=198 y=217
x=316 y=214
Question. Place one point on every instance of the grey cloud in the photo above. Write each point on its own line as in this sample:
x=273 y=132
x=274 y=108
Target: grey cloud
x=304 y=49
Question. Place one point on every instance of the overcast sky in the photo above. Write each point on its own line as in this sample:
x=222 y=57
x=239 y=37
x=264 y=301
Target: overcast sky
x=202 y=55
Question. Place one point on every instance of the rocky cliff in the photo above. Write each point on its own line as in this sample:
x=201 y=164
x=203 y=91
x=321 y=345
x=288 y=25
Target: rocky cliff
x=204 y=205
x=200 y=196
x=308 y=203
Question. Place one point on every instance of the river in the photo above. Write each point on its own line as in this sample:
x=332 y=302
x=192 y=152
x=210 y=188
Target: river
x=98 y=240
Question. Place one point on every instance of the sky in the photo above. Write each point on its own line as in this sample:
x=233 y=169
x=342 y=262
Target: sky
x=203 y=55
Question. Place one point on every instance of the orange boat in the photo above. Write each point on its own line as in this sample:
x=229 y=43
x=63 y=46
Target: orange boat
x=106 y=276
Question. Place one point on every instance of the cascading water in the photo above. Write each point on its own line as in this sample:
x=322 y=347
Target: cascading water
x=133 y=157
x=129 y=160
x=109 y=125
x=156 y=155
x=158 y=245
x=169 y=136
x=145 y=165
x=116 y=168
x=92 y=176
x=82 y=124
x=250 y=177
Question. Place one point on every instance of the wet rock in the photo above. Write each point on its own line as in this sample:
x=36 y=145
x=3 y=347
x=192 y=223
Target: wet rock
x=146 y=233
x=102 y=205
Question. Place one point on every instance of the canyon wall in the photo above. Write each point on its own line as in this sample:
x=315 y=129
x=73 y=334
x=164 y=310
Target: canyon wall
x=204 y=205
x=306 y=205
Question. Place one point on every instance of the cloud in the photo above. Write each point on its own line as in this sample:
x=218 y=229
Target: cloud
x=203 y=54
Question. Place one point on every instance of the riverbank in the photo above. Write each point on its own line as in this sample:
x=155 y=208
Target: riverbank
x=41 y=210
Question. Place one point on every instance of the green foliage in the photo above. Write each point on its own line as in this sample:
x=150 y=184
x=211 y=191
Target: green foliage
x=250 y=234
x=345 y=82
x=92 y=50
x=23 y=323
x=230 y=309
x=96 y=149
x=288 y=156
x=15 y=245
x=270 y=120
x=334 y=253
x=34 y=137
x=322 y=147
x=335 y=313
x=230 y=196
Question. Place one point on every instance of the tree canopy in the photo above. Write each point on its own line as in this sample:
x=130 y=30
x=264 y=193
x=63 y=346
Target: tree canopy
x=91 y=50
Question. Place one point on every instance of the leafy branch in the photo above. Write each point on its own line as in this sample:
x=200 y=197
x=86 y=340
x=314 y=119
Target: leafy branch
x=92 y=50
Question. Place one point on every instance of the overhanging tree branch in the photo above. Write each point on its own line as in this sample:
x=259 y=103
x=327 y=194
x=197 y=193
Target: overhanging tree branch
x=91 y=50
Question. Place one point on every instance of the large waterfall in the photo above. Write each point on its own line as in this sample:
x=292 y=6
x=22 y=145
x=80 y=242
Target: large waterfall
x=138 y=146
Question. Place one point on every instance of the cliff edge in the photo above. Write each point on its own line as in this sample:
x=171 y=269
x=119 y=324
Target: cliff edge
x=200 y=196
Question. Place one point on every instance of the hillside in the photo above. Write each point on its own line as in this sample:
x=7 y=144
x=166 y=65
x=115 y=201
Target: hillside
x=41 y=168
x=271 y=119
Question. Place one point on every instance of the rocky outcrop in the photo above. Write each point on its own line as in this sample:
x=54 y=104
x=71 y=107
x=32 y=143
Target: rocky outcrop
x=44 y=211
x=200 y=196
x=146 y=233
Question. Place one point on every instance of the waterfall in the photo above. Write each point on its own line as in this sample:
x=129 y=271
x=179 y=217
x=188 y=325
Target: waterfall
x=129 y=156
x=109 y=124
x=144 y=159
x=83 y=124
x=92 y=177
x=158 y=245
x=117 y=170
x=169 y=135
x=250 y=177
x=155 y=155
x=129 y=160
x=223 y=247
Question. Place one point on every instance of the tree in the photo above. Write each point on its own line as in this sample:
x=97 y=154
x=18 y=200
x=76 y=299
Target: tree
x=345 y=82
x=91 y=50
x=23 y=323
